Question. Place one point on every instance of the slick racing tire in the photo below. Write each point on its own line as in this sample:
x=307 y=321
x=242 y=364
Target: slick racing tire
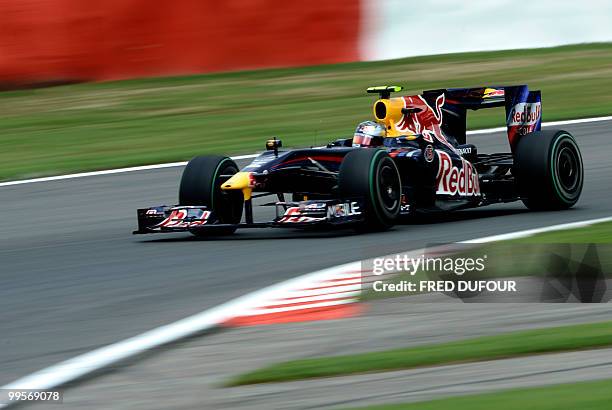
x=371 y=175
x=548 y=170
x=201 y=185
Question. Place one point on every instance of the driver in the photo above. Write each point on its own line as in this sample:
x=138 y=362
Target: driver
x=369 y=134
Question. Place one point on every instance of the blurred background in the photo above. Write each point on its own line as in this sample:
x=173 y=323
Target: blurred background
x=56 y=41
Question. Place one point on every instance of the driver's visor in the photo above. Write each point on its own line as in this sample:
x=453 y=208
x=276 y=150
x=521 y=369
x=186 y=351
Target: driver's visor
x=362 y=140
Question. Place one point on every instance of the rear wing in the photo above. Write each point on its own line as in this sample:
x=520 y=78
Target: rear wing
x=523 y=108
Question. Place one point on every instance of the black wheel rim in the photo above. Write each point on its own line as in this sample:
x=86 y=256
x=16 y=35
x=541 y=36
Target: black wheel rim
x=568 y=168
x=228 y=205
x=389 y=186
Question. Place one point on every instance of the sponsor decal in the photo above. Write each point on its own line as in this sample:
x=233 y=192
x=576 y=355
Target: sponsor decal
x=426 y=120
x=185 y=218
x=153 y=212
x=294 y=215
x=464 y=150
x=493 y=92
x=453 y=180
x=525 y=114
x=316 y=206
x=428 y=153
x=300 y=214
x=343 y=209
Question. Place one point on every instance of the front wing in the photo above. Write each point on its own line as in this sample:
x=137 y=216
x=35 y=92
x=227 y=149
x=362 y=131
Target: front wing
x=301 y=214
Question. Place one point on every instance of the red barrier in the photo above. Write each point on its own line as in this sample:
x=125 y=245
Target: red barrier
x=76 y=40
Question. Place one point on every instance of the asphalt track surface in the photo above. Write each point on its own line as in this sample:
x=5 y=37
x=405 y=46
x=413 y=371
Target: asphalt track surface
x=74 y=278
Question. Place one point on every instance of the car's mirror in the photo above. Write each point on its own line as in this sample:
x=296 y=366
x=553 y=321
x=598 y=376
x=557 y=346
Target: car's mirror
x=273 y=145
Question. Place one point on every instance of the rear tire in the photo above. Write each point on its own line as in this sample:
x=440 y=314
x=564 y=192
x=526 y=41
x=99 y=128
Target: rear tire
x=548 y=170
x=201 y=185
x=372 y=175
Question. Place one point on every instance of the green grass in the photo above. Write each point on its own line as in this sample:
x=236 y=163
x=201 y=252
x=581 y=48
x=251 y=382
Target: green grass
x=557 y=339
x=101 y=125
x=584 y=396
x=597 y=233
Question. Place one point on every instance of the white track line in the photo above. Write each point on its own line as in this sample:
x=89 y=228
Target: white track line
x=531 y=232
x=180 y=164
x=108 y=172
x=88 y=363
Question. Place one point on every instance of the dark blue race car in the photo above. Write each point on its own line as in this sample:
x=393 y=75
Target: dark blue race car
x=411 y=157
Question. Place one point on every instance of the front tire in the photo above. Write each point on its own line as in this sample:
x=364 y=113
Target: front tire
x=201 y=185
x=549 y=170
x=372 y=175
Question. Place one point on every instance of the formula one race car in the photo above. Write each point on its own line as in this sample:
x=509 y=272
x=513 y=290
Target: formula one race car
x=413 y=158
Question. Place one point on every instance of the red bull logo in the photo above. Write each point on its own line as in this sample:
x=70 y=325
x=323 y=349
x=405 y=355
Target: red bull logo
x=424 y=120
x=525 y=114
x=294 y=215
x=452 y=180
x=522 y=119
x=177 y=217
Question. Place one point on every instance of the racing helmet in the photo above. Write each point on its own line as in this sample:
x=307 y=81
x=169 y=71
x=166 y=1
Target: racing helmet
x=369 y=134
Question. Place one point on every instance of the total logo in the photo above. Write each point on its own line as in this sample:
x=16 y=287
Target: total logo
x=452 y=180
x=525 y=114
